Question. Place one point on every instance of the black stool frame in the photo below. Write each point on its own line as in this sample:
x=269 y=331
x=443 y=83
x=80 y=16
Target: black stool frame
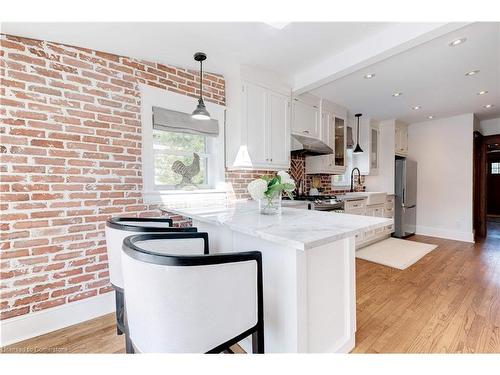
x=136 y=252
x=120 y=223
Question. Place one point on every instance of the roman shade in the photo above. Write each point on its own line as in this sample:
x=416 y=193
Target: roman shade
x=174 y=121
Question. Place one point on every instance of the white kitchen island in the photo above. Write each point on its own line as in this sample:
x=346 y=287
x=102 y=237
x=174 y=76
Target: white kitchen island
x=308 y=270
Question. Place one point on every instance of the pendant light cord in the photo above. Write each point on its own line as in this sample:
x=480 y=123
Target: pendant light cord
x=201 y=79
x=357 y=133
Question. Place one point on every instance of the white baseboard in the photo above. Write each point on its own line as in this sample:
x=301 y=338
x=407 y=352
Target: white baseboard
x=445 y=233
x=38 y=323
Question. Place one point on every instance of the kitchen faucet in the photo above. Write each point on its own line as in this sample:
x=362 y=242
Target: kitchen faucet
x=352 y=176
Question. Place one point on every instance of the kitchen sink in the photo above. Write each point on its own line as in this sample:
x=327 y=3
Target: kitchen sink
x=372 y=197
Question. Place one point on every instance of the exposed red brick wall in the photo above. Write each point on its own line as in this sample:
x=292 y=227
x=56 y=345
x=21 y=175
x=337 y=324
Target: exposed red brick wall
x=70 y=151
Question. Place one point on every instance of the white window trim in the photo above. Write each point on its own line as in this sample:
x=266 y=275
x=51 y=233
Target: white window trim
x=153 y=96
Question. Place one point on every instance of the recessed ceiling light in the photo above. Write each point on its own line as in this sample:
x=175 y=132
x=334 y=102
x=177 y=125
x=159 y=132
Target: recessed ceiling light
x=416 y=107
x=487 y=106
x=278 y=25
x=397 y=94
x=482 y=92
x=369 y=75
x=430 y=117
x=456 y=42
x=472 y=72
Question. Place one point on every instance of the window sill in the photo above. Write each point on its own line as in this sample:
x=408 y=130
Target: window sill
x=182 y=197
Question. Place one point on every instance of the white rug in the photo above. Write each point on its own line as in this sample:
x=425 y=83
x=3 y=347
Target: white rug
x=394 y=252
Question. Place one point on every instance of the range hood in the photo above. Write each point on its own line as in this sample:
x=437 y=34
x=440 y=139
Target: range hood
x=313 y=145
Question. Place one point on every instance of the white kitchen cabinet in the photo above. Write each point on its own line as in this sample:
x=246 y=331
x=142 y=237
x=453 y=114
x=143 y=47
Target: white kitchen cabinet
x=369 y=140
x=334 y=134
x=401 y=139
x=279 y=129
x=376 y=210
x=385 y=209
x=255 y=123
x=338 y=139
x=374 y=150
x=266 y=122
x=306 y=119
x=355 y=207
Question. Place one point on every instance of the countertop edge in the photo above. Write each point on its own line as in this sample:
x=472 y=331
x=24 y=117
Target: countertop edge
x=292 y=243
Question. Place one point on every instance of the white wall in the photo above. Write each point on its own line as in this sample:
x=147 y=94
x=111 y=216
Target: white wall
x=490 y=127
x=443 y=151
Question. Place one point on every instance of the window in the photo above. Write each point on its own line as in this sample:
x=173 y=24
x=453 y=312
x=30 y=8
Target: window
x=495 y=168
x=170 y=136
x=169 y=147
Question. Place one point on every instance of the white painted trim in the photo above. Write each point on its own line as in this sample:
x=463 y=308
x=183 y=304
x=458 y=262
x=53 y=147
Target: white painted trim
x=24 y=327
x=445 y=233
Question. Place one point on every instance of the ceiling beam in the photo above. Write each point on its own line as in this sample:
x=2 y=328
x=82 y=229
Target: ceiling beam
x=389 y=42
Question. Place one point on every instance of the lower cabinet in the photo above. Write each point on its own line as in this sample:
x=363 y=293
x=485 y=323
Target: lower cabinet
x=359 y=207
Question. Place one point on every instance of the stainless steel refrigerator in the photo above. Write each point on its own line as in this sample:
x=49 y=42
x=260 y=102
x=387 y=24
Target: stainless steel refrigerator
x=405 y=212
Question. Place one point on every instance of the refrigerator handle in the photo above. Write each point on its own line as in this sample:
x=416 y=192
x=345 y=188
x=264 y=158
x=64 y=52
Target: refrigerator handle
x=403 y=201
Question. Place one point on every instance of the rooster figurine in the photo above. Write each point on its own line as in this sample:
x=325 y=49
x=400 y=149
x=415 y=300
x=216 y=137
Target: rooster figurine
x=187 y=171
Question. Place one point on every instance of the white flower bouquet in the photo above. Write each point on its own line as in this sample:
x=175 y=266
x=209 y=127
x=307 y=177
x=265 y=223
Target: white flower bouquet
x=267 y=190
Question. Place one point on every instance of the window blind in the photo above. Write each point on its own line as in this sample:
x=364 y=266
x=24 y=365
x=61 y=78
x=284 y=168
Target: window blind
x=180 y=122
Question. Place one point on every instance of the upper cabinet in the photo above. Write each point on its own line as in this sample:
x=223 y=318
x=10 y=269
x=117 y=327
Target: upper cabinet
x=339 y=141
x=334 y=134
x=374 y=148
x=266 y=123
x=401 y=139
x=279 y=129
x=369 y=139
x=306 y=118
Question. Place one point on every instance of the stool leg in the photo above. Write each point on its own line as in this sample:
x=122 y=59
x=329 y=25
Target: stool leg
x=258 y=340
x=129 y=348
x=119 y=311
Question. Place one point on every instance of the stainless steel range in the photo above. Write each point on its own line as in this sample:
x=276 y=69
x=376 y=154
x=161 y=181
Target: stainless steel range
x=322 y=202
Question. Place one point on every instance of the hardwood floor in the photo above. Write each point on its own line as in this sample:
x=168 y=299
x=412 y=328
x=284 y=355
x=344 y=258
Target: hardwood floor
x=448 y=302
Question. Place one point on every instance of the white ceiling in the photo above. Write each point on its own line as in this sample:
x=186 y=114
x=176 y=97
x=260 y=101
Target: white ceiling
x=431 y=75
x=287 y=51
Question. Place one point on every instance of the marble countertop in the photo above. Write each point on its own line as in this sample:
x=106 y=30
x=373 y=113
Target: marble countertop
x=301 y=229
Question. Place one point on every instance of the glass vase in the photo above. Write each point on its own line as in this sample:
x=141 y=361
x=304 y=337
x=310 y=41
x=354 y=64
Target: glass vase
x=270 y=206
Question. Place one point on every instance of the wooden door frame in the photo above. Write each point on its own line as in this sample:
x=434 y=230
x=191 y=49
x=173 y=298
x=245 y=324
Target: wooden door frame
x=480 y=186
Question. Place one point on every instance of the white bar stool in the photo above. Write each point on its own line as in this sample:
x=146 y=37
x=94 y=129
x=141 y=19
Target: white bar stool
x=190 y=303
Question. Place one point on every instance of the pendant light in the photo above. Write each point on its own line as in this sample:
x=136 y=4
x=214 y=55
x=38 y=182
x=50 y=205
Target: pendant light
x=358 y=149
x=200 y=113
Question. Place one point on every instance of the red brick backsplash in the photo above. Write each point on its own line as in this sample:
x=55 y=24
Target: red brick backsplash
x=70 y=152
x=239 y=179
x=298 y=172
